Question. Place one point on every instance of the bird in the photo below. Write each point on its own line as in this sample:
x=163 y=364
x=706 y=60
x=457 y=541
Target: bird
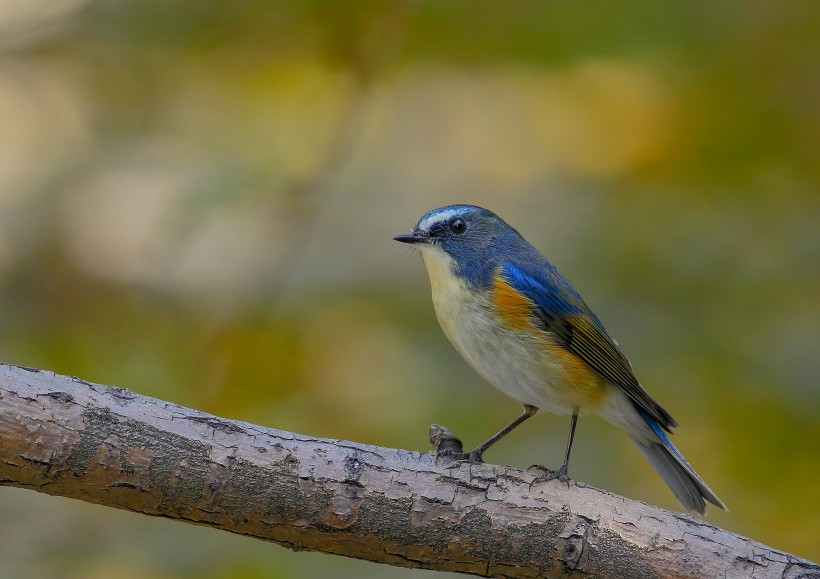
x=526 y=330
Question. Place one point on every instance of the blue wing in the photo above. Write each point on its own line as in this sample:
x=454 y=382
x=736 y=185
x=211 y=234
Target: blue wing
x=566 y=317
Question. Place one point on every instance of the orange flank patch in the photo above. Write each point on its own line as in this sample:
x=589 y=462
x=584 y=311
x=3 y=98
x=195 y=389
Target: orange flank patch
x=515 y=309
x=574 y=381
x=584 y=386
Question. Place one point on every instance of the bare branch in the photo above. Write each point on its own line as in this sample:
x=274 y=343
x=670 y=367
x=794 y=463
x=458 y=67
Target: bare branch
x=101 y=444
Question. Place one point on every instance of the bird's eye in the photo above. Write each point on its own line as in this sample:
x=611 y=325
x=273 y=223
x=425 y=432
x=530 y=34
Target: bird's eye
x=458 y=226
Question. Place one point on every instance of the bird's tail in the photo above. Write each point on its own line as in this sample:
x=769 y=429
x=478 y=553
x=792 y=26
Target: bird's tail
x=685 y=483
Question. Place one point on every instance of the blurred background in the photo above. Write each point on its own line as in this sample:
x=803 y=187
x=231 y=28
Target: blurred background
x=197 y=200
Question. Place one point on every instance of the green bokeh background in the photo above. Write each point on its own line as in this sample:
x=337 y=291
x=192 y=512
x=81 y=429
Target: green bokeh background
x=197 y=200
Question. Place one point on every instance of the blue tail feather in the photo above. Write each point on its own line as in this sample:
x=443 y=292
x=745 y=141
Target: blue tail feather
x=678 y=474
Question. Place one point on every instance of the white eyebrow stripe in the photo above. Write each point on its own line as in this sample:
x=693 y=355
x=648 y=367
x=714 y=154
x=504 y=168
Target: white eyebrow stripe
x=438 y=217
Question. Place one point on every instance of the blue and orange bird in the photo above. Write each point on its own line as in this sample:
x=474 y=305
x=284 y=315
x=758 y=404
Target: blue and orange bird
x=519 y=322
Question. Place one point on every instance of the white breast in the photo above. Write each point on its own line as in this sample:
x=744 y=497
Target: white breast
x=509 y=360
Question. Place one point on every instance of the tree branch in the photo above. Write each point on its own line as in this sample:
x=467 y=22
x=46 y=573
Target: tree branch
x=63 y=436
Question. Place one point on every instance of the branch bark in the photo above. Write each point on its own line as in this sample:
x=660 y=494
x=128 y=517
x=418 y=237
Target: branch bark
x=64 y=436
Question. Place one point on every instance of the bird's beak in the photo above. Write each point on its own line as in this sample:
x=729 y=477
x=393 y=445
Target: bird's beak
x=415 y=236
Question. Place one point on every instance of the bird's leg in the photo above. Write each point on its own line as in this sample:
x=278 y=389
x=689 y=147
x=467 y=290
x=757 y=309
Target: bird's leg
x=476 y=455
x=562 y=473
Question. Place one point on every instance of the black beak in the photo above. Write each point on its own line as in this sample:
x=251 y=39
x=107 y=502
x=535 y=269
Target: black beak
x=414 y=236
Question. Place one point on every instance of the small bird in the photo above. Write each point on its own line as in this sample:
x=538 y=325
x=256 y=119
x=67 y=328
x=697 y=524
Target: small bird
x=523 y=327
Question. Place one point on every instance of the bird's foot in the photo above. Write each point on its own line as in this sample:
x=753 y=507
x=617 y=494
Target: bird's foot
x=549 y=474
x=471 y=457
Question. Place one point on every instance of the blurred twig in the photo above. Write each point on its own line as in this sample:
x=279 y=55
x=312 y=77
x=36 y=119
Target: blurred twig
x=66 y=437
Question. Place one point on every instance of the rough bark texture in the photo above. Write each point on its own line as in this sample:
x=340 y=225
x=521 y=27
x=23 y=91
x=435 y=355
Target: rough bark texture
x=101 y=444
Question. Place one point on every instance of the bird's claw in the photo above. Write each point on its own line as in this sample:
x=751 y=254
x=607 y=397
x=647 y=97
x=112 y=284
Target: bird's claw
x=549 y=474
x=471 y=457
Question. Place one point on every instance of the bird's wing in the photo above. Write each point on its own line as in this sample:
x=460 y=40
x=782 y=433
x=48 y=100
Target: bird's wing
x=565 y=316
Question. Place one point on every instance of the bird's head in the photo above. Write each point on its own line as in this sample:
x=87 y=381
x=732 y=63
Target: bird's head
x=471 y=241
